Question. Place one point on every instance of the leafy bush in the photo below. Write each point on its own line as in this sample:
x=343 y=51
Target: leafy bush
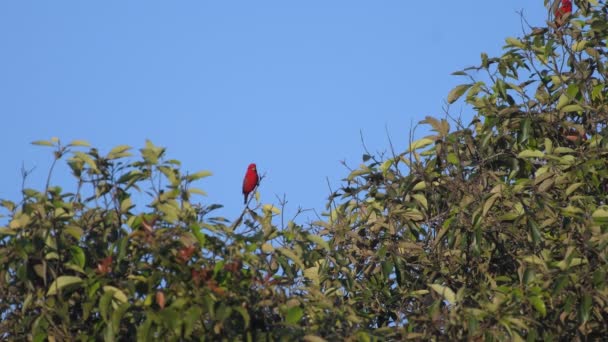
x=495 y=230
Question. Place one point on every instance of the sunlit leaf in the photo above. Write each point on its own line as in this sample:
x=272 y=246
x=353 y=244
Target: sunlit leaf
x=421 y=143
x=291 y=255
x=457 y=92
x=294 y=314
x=81 y=143
x=198 y=175
x=445 y=292
x=117 y=294
x=42 y=143
x=539 y=305
x=530 y=154
x=319 y=241
x=62 y=283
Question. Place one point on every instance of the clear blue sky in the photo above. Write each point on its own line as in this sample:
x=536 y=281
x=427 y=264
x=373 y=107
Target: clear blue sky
x=286 y=84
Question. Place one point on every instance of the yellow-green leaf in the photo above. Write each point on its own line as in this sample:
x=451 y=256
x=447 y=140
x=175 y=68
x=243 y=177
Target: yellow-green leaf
x=457 y=92
x=319 y=241
x=312 y=273
x=539 y=305
x=514 y=42
x=579 y=46
x=197 y=191
x=125 y=205
x=572 y=108
x=420 y=198
x=489 y=203
x=119 y=152
x=444 y=291
x=291 y=255
x=42 y=143
x=530 y=154
x=421 y=143
x=600 y=215
x=7 y=231
x=419 y=186
x=271 y=208
x=562 y=101
x=116 y=293
x=267 y=248
x=294 y=315
x=82 y=143
x=198 y=175
x=573 y=188
x=62 y=282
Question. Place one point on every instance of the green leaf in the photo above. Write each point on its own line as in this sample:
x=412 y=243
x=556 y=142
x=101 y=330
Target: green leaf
x=42 y=143
x=197 y=191
x=579 y=45
x=573 y=188
x=118 y=314
x=78 y=256
x=457 y=92
x=445 y=292
x=151 y=153
x=7 y=231
x=87 y=160
x=419 y=186
x=119 y=151
x=539 y=305
x=319 y=241
x=515 y=42
x=585 y=307
x=420 y=198
x=312 y=273
x=81 y=143
x=421 y=143
x=386 y=165
x=244 y=314
x=530 y=154
x=20 y=220
x=413 y=214
x=291 y=255
x=269 y=208
x=563 y=150
x=562 y=101
x=489 y=203
x=125 y=205
x=223 y=312
x=294 y=315
x=194 y=313
x=600 y=215
x=267 y=248
x=117 y=294
x=572 y=108
x=170 y=212
x=200 y=236
x=533 y=259
x=61 y=283
x=74 y=231
x=198 y=175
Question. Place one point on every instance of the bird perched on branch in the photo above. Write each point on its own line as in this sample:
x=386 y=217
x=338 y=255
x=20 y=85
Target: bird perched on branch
x=251 y=181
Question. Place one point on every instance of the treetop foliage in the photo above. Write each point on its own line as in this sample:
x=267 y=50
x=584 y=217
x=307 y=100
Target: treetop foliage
x=495 y=229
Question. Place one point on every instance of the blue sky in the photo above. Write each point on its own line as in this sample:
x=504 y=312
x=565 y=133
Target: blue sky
x=288 y=85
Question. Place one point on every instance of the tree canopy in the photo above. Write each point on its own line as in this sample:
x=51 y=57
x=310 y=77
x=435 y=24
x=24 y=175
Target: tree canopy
x=495 y=229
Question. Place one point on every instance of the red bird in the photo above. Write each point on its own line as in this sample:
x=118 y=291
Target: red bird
x=563 y=7
x=251 y=180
